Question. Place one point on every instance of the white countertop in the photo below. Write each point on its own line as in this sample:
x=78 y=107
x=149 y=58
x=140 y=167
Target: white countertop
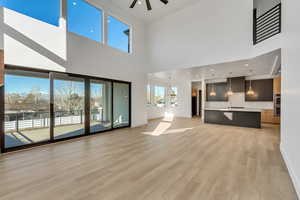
x=236 y=109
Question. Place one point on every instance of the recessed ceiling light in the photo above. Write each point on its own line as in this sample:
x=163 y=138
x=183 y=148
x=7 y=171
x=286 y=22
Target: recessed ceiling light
x=92 y=31
x=74 y=3
x=246 y=65
x=140 y=2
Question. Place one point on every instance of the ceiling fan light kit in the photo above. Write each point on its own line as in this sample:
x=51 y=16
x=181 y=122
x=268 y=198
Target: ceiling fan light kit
x=147 y=3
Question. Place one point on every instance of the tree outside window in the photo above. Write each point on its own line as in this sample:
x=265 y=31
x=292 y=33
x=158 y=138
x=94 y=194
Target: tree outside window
x=159 y=96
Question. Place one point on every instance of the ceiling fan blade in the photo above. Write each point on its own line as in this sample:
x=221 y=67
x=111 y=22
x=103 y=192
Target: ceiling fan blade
x=165 y=1
x=148 y=5
x=133 y=4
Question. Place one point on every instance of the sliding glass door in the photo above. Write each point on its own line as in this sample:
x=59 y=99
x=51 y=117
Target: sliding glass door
x=121 y=104
x=44 y=107
x=100 y=105
x=26 y=110
x=69 y=106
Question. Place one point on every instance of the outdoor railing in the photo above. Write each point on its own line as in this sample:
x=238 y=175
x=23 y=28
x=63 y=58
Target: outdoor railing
x=266 y=25
x=33 y=120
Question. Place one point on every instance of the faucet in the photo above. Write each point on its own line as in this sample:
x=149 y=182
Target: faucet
x=230 y=105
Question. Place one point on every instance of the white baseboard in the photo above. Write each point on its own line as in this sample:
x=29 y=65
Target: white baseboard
x=294 y=178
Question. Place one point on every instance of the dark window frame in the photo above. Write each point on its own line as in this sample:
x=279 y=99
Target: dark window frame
x=87 y=80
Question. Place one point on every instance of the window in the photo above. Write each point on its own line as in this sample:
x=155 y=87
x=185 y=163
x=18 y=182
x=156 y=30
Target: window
x=173 y=96
x=159 y=96
x=44 y=107
x=27 y=111
x=45 y=10
x=100 y=105
x=118 y=34
x=84 y=20
x=121 y=104
x=68 y=106
x=148 y=94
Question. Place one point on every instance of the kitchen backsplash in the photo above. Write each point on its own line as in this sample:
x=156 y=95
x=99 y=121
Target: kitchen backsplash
x=238 y=100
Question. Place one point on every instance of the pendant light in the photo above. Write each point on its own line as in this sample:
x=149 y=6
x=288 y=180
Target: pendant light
x=250 y=91
x=213 y=90
x=230 y=92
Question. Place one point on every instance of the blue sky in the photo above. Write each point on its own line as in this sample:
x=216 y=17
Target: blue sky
x=83 y=19
x=116 y=36
x=23 y=84
x=159 y=91
x=96 y=90
x=44 y=10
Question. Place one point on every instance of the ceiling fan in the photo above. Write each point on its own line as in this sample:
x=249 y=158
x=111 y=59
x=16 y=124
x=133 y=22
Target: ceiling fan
x=147 y=3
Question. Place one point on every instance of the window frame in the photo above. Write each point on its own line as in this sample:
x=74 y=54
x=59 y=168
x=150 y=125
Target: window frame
x=164 y=98
x=149 y=94
x=102 y=21
x=51 y=74
x=107 y=14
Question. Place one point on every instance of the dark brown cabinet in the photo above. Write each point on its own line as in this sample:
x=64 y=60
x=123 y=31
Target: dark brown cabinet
x=263 y=90
x=237 y=84
x=238 y=118
x=220 y=89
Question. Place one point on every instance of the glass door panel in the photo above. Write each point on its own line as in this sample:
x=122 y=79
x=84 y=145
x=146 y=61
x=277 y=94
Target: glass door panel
x=27 y=114
x=68 y=106
x=121 y=104
x=100 y=105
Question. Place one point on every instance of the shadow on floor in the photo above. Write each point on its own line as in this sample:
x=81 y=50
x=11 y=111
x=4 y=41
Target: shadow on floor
x=38 y=135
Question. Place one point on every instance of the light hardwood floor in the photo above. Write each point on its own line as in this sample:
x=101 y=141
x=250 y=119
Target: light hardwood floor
x=181 y=160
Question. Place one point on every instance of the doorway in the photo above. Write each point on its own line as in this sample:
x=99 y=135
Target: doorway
x=194 y=106
x=200 y=103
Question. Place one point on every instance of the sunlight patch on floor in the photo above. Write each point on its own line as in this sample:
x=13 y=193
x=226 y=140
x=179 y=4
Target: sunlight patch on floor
x=162 y=129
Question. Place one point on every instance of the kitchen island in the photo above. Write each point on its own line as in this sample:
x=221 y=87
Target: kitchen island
x=243 y=117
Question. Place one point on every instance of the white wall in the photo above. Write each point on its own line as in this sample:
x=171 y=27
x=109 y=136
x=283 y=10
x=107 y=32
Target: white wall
x=290 y=136
x=263 y=6
x=206 y=32
x=32 y=43
x=184 y=98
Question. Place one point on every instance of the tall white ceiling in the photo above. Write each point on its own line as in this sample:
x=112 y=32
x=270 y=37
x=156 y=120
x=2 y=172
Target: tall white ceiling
x=158 y=11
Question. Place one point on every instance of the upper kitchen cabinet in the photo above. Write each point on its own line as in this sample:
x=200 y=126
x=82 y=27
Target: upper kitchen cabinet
x=237 y=84
x=220 y=91
x=277 y=85
x=263 y=90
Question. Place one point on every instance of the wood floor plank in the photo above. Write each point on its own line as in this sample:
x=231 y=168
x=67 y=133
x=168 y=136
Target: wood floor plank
x=165 y=160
